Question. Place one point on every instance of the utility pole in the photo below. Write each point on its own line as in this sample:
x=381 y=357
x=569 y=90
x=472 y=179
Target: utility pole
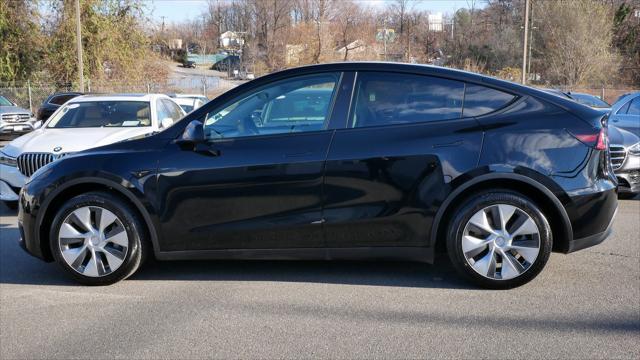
x=384 y=32
x=530 y=41
x=526 y=35
x=79 y=46
x=162 y=17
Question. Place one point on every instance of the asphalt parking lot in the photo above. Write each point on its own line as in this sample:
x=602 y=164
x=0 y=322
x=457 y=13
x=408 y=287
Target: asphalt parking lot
x=583 y=305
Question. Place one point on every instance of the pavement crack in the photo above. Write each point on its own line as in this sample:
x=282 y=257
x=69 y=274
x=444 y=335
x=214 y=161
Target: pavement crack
x=614 y=254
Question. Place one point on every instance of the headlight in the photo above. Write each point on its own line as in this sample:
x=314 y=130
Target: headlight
x=8 y=160
x=635 y=149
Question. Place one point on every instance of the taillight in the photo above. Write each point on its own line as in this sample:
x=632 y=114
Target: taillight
x=597 y=140
x=602 y=140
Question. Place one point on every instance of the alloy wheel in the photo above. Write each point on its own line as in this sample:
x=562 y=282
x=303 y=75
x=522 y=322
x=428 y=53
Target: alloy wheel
x=93 y=241
x=501 y=242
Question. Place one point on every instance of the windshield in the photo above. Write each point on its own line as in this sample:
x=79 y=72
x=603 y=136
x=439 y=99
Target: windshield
x=94 y=114
x=5 y=102
x=590 y=100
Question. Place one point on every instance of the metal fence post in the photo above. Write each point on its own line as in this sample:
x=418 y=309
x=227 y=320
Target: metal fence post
x=148 y=88
x=602 y=94
x=204 y=87
x=88 y=85
x=29 y=91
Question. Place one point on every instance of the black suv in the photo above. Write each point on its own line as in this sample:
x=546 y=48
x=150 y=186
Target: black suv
x=337 y=161
x=53 y=102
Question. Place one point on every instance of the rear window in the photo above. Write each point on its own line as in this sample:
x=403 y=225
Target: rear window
x=96 y=114
x=480 y=100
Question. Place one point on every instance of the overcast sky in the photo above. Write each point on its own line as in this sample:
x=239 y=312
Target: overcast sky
x=180 y=10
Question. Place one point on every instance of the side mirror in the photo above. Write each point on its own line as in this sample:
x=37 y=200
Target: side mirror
x=193 y=133
x=37 y=124
x=166 y=122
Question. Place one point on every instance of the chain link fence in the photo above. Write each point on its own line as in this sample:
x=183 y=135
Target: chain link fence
x=31 y=95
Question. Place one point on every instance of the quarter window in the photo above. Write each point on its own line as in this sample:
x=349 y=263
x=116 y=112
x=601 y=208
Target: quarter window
x=480 y=100
x=393 y=98
x=290 y=106
x=634 y=108
x=623 y=110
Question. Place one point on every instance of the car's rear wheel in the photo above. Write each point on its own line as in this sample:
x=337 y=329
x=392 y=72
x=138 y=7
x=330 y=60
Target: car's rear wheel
x=97 y=239
x=499 y=239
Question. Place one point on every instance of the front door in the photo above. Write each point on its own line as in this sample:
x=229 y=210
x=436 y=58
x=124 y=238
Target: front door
x=261 y=187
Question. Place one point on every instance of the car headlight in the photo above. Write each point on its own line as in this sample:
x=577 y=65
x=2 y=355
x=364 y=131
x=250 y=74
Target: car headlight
x=8 y=160
x=635 y=149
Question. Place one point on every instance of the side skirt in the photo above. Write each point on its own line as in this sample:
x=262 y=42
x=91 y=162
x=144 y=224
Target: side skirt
x=420 y=254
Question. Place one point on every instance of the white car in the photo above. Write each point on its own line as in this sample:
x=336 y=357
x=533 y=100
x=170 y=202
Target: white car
x=189 y=104
x=82 y=123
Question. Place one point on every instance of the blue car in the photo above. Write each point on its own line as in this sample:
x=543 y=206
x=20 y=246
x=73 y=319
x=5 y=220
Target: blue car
x=625 y=113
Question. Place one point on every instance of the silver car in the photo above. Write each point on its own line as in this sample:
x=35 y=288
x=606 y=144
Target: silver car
x=624 y=148
x=14 y=120
x=625 y=113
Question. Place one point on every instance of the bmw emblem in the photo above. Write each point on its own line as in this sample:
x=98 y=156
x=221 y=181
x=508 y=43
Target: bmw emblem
x=57 y=148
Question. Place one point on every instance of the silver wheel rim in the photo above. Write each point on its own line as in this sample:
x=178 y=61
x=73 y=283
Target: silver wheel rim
x=501 y=242
x=93 y=241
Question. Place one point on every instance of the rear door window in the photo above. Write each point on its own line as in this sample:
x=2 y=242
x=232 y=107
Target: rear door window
x=395 y=98
x=480 y=100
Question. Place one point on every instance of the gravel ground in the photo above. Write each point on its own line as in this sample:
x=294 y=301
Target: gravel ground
x=583 y=305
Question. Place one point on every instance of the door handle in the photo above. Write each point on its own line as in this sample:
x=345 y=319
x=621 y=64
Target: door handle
x=298 y=154
x=453 y=143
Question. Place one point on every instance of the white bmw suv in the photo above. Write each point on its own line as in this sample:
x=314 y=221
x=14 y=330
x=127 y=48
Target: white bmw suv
x=82 y=123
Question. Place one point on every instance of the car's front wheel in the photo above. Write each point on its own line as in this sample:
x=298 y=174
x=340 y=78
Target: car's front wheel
x=499 y=239
x=97 y=238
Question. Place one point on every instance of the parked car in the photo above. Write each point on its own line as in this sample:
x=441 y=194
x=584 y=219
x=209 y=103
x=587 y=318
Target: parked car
x=53 y=102
x=625 y=159
x=625 y=113
x=590 y=100
x=229 y=62
x=14 y=120
x=335 y=161
x=202 y=98
x=81 y=123
x=582 y=98
x=189 y=64
x=188 y=104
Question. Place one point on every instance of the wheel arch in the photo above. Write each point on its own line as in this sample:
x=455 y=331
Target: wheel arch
x=80 y=186
x=550 y=204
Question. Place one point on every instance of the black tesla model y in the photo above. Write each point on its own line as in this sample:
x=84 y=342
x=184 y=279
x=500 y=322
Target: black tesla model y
x=338 y=161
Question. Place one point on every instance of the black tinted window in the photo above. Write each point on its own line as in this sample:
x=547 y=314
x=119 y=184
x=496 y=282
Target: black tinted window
x=391 y=98
x=61 y=99
x=480 y=100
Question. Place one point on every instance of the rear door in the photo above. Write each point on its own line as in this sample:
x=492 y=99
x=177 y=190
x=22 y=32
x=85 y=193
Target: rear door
x=391 y=166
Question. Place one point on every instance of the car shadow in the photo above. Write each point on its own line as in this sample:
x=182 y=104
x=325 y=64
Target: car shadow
x=17 y=267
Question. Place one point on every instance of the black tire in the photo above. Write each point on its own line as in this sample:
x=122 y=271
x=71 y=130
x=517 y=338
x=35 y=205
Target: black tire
x=626 y=195
x=135 y=230
x=471 y=206
x=13 y=205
